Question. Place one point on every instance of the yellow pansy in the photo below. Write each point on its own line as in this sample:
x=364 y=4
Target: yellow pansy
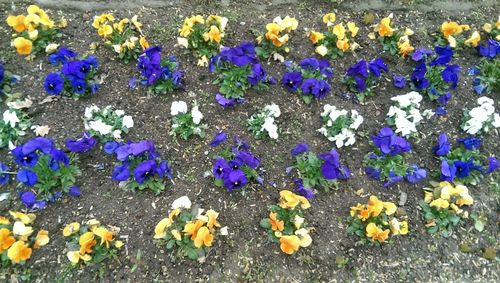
x=22 y=230
x=105 y=235
x=51 y=48
x=321 y=50
x=19 y=251
x=428 y=197
x=213 y=35
x=75 y=256
x=339 y=31
x=105 y=30
x=474 y=39
x=212 y=219
x=130 y=43
x=33 y=35
x=353 y=29
x=316 y=36
x=398 y=228
x=390 y=208
x=289 y=23
x=4 y=220
x=384 y=28
x=117 y=48
x=273 y=30
x=278 y=234
x=364 y=214
x=71 y=228
x=176 y=234
x=203 y=237
x=63 y=22
x=461 y=190
x=16 y=22
x=375 y=206
x=305 y=238
x=354 y=209
x=86 y=242
x=195 y=19
x=118 y=244
x=25 y=218
x=143 y=42
x=191 y=229
x=160 y=228
x=214 y=18
x=298 y=221
x=291 y=200
x=6 y=239
x=42 y=238
x=279 y=41
x=289 y=244
x=185 y=30
x=276 y=224
x=136 y=23
x=409 y=32
x=404 y=46
x=377 y=234
x=465 y=200
x=31 y=21
x=329 y=19
x=451 y=28
x=121 y=24
x=441 y=203
x=487 y=27
x=343 y=44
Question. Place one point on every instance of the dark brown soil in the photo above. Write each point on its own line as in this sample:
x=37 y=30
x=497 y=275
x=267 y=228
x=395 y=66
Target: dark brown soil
x=247 y=255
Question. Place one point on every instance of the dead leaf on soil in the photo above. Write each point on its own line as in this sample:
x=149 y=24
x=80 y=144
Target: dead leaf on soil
x=41 y=131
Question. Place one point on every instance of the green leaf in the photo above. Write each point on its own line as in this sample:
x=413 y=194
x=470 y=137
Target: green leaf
x=264 y=223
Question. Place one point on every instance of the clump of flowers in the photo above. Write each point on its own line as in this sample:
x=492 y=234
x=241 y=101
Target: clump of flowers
x=286 y=224
x=442 y=207
x=263 y=123
x=493 y=29
x=273 y=42
x=192 y=230
x=46 y=171
x=339 y=126
x=336 y=40
x=481 y=119
x=309 y=78
x=76 y=77
x=17 y=240
x=203 y=36
x=362 y=77
x=13 y=126
x=463 y=164
x=7 y=79
x=160 y=76
x=435 y=77
x=184 y=123
x=405 y=116
x=91 y=242
x=452 y=35
x=139 y=167
x=238 y=70
x=395 y=41
x=106 y=124
x=388 y=161
x=375 y=221
x=315 y=171
x=234 y=167
x=34 y=31
x=123 y=36
x=488 y=72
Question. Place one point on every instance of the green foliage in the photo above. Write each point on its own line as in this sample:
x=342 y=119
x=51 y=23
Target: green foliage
x=443 y=220
x=286 y=215
x=199 y=45
x=128 y=52
x=463 y=154
x=390 y=43
x=6 y=84
x=45 y=37
x=490 y=75
x=308 y=167
x=183 y=126
x=371 y=83
x=437 y=86
x=52 y=181
x=13 y=134
x=387 y=164
x=165 y=85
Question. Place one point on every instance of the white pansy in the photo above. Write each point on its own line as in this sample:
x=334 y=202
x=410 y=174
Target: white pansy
x=10 y=118
x=182 y=202
x=90 y=110
x=358 y=119
x=344 y=134
x=274 y=110
x=405 y=116
x=128 y=122
x=270 y=127
x=119 y=112
x=409 y=99
x=428 y=113
x=481 y=118
x=117 y=134
x=178 y=107
x=197 y=115
x=100 y=126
